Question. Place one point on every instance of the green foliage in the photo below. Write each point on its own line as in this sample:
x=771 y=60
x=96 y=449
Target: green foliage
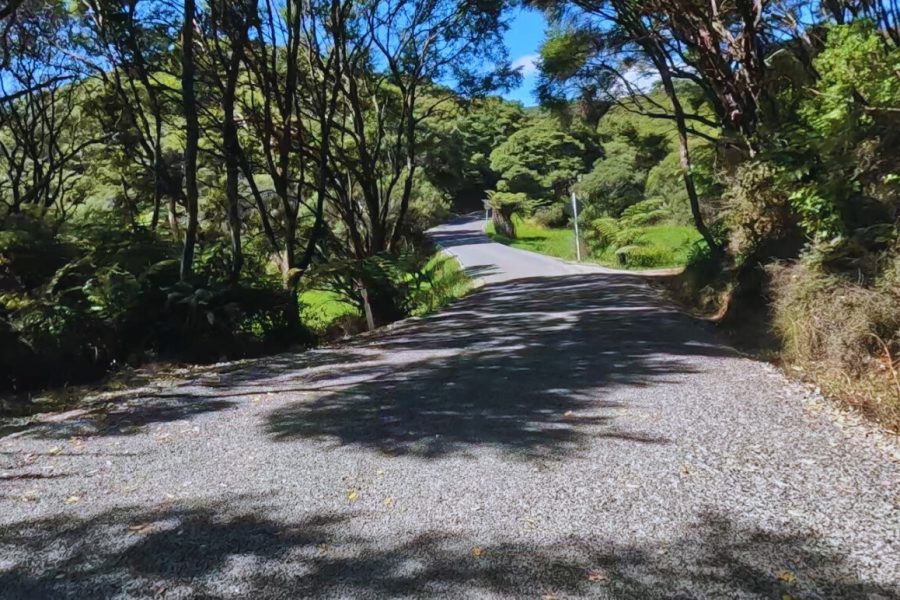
x=96 y=294
x=553 y=215
x=641 y=237
x=438 y=283
x=536 y=238
x=601 y=234
x=321 y=309
x=428 y=206
x=457 y=160
x=417 y=284
x=857 y=80
x=506 y=205
x=845 y=155
x=644 y=257
x=614 y=183
x=540 y=160
x=759 y=212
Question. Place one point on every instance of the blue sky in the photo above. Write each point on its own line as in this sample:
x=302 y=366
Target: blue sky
x=524 y=39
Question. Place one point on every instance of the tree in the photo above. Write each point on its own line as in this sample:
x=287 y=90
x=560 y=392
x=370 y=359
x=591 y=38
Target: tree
x=541 y=160
x=42 y=140
x=227 y=35
x=456 y=152
x=294 y=66
x=128 y=55
x=420 y=42
x=623 y=28
x=192 y=138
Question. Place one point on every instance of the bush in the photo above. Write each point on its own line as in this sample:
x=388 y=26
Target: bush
x=551 y=216
x=843 y=332
x=601 y=234
x=76 y=303
x=644 y=256
x=759 y=213
x=398 y=285
x=504 y=205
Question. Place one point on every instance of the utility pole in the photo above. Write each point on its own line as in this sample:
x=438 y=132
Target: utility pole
x=575 y=220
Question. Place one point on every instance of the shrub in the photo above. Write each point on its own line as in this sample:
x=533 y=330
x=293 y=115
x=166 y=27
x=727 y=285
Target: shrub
x=844 y=332
x=626 y=235
x=75 y=303
x=759 y=211
x=645 y=212
x=504 y=205
x=644 y=256
x=551 y=216
x=601 y=234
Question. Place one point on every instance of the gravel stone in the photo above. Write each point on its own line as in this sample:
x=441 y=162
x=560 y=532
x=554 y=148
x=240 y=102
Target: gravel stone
x=562 y=432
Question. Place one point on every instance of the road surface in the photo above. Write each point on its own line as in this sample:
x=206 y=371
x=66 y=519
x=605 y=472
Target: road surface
x=562 y=432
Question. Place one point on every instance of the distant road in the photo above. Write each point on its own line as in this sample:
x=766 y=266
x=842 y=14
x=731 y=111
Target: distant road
x=464 y=237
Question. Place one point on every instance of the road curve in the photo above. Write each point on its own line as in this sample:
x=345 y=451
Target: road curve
x=561 y=432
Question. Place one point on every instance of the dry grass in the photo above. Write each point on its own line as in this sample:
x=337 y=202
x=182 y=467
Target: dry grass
x=842 y=335
x=839 y=334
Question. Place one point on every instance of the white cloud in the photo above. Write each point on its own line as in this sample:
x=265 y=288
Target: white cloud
x=528 y=64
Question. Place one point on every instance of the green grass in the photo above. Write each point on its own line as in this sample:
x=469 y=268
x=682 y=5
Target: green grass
x=679 y=239
x=530 y=236
x=442 y=281
x=446 y=281
x=673 y=243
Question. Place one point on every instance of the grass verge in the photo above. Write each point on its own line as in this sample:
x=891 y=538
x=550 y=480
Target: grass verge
x=656 y=246
x=822 y=328
x=535 y=238
x=439 y=281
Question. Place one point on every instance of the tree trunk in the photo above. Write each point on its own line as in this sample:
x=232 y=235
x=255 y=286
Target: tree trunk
x=685 y=157
x=503 y=223
x=233 y=156
x=157 y=176
x=192 y=136
x=232 y=193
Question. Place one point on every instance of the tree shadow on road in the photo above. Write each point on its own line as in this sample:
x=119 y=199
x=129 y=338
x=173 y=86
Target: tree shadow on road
x=186 y=393
x=221 y=551
x=527 y=367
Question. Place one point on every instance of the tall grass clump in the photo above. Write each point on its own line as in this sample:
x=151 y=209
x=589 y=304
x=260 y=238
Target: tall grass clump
x=843 y=333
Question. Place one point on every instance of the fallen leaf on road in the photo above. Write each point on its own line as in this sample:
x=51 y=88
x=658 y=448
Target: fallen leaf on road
x=54 y=450
x=477 y=551
x=568 y=414
x=140 y=527
x=352 y=495
x=72 y=500
x=786 y=576
x=597 y=576
x=389 y=501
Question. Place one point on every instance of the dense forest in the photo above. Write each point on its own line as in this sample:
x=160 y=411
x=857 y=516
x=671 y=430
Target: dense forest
x=186 y=179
